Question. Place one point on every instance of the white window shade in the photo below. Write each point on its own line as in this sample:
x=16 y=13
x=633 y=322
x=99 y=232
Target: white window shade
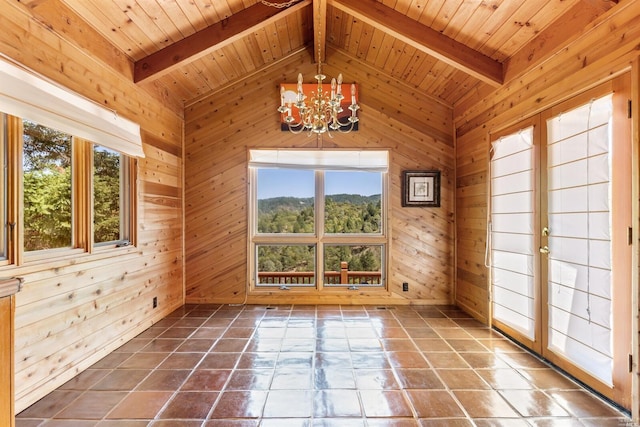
x=25 y=95
x=320 y=159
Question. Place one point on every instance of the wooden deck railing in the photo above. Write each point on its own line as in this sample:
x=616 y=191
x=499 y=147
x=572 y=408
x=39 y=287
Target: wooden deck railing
x=342 y=277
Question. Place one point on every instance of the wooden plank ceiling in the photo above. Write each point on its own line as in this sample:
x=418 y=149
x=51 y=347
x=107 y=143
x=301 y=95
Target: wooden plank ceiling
x=187 y=49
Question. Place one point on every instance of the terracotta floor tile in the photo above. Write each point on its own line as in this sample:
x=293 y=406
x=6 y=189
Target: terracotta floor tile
x=189 y=405
x=505 y=379
x=229 y=345
x=291 y=379
x=51 y=404
x=260 y=360
x=194 y=345
x=298 y=345
x=295 y=360
x=522 y=360
x=484 y=360
x=582 y=404
x=240 y=404
x=365 y=344
x=314 y=366
x=219 y=361
x=446 y=422
x=462 y=379
x=288 y=404
x=111 y=361
x=376 y=379
x=549 y=379
x=434 y=404
x=385 y=403
x=387 y=332
x=175 y=332
x=432 y=344
x=533 y=403
x=485 y=404
x=446 y=360
x=181 y=361
x=407 y=359
x=398 y=345
x=122 y=379
x=466 y=345
x=92 y=405
x=143 y=361
x=163 y=345
x=264 y=344
x=333 y=345
x=418 y=378
x=231 y=423
x=333 y=360
x=208 y=333
x=336 y=403
x=338 y=422
x=206 y=380
x=334 y=378
x=85 y=380
x=392 y=422
x=164 y=380
x=285 y=422
x=255 y=379
x=370 y=361
x=141 y=404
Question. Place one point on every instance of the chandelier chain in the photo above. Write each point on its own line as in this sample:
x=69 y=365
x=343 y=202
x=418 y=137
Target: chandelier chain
x=279 y=5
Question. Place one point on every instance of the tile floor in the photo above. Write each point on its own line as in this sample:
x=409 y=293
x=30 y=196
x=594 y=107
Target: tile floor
x=345 y=366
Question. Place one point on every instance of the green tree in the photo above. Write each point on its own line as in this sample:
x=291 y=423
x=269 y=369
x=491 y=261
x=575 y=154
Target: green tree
x=46 y=187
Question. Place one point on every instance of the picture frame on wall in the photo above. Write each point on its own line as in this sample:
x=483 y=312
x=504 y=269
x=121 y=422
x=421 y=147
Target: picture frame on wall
x=421 y=188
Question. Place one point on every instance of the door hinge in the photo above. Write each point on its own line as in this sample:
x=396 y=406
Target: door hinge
x=631 y=363
x=630 y=236
x=630 y=112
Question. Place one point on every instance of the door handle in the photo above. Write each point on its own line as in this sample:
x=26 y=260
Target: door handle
x=544 y=250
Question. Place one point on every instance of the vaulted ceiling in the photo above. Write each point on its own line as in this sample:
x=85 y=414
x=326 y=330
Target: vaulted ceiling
x=449 y=49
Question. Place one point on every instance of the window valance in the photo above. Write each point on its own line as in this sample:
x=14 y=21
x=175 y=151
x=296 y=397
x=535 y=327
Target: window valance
x=365 y=160
x=26 y=95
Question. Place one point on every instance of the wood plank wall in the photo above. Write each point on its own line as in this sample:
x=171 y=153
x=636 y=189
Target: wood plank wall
x=220 y=129
x=73 y=312
x=606 y=48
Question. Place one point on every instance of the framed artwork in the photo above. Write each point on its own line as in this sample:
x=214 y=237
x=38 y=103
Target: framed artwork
x=421 y=188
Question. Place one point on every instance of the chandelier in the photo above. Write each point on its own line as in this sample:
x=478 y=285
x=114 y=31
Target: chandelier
x=321 y=112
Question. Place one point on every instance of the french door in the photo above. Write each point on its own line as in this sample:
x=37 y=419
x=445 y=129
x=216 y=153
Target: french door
x=560 y=251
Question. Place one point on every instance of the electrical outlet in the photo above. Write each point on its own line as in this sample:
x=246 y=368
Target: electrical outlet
x=405 y=287
x=155 y=302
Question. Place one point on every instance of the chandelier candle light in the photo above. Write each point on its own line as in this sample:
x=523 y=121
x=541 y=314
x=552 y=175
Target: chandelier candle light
x=322 y=112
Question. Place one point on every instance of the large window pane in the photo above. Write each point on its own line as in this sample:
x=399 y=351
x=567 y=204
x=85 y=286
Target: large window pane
x=47 y=188
x=286 y=265
x=109 y=195
x=353 y=202
x=285 y=201
x=353 y=265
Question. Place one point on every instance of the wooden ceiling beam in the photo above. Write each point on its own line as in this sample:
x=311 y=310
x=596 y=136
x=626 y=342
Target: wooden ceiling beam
x=211 y=38
x=319 y=30
x=424 y=39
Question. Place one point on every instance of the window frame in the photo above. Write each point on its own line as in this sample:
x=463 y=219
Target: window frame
x=127 y=192
x=319 y=239
x=11 y=128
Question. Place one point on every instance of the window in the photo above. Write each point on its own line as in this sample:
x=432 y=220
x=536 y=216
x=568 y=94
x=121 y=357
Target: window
x=318 y=218
x=47 y=187
x=111 y=210
x=74 y=196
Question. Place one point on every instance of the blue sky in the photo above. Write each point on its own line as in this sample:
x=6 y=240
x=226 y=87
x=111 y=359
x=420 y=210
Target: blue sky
x=300 y=183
